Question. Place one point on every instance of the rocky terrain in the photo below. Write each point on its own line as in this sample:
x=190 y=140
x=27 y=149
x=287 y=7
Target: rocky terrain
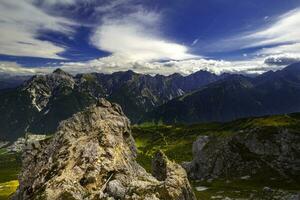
x=92 y=156
x=20 y=144
x=247 y=153
x=39 y=105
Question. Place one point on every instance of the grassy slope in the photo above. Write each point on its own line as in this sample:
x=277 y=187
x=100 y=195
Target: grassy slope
x=7 y=189
x=177 y=140
x=10 y=165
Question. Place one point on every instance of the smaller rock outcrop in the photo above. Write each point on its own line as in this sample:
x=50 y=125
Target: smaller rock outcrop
x=248 y=152
x=173 y=176
x=20 y=144
x=92 y=156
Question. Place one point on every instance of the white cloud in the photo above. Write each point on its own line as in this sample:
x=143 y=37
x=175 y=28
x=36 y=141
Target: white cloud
x=135 y=41
x=282 y=59
x=20 y=23
x=55 y=2
x=281 y=49
x=112 y=4
x=116 y=63
x=286 y=29
x=255 y=66
x=282 y=35
x=16 y=69
x=137 y=38
x=112 y=64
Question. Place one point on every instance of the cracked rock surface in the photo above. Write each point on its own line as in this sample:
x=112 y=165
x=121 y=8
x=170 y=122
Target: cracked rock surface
x=92 y=156
x=247 y=153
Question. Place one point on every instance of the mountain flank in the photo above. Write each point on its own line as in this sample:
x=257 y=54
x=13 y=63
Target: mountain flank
x=234 y=97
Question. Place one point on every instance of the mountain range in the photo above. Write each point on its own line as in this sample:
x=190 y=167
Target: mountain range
x=43 y=101
x=40 y=103
x=235 y=96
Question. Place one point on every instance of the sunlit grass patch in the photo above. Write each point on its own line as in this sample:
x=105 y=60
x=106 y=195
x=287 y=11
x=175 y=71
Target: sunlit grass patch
x=10 y=165
x=7 y=189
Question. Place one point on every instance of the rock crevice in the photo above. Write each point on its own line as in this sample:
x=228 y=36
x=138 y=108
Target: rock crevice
x=92 y=156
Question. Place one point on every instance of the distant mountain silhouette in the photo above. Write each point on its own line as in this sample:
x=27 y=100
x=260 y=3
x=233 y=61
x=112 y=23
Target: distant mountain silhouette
x=234 y=97
x=7 y=81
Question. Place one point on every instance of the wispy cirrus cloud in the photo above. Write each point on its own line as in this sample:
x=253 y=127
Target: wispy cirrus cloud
x=21 y=22
x=277 y=36
x=137 y=37
x=111 y=5
x=285 y=30
x=283 y=38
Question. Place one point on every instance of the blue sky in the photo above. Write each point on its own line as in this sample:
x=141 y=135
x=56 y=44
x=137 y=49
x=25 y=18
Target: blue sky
x=148 y=36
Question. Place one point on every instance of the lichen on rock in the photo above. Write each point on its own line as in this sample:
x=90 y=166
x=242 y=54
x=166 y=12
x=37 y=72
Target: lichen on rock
x=92 y=156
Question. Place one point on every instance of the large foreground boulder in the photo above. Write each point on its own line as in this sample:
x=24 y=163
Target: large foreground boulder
x=92 y=156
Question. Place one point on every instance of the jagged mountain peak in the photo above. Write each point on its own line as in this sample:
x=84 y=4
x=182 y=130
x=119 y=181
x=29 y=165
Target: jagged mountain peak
x=53 y=79
x=59 y=71
x=41 y=88
x=202 y=72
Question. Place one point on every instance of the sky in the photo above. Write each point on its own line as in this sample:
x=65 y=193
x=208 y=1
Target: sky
x=148 y=36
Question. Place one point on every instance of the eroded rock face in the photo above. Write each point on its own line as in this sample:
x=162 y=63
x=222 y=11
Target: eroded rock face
x=19 y=145
x=41 y=88
x=173 y=177
x=92 y=156
x=247 y=153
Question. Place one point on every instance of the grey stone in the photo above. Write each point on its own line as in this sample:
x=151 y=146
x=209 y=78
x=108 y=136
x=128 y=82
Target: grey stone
x=245 y=153
x=92 y=156
x=116 y=189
